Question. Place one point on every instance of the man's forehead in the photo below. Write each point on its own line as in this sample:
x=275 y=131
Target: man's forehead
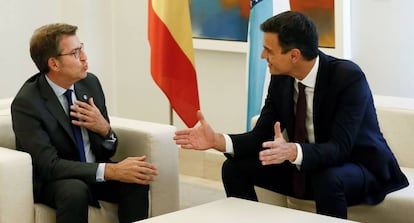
x=270 y=39
x=69 y=42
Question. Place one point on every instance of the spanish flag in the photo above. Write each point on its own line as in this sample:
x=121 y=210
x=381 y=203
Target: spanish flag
x=172 y=56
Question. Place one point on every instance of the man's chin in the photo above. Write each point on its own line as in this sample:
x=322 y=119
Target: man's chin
x=84 y=75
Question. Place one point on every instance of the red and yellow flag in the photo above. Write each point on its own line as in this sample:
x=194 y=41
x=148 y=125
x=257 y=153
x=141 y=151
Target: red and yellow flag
x=172 y=56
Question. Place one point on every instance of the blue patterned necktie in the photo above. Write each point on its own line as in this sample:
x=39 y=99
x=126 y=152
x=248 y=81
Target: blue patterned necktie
x=76 y=129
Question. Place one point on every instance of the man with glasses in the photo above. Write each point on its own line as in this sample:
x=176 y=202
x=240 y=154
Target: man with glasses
x=60 y=119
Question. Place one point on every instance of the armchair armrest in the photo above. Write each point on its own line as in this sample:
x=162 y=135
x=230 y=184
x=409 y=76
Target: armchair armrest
x=16 y=191
x=253 y=121
x=137 y=138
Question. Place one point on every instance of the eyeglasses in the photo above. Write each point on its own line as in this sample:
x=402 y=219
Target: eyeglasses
x=76 y=52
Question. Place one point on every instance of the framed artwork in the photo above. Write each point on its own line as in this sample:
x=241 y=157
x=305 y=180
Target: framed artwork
x=223 y=24
x=323 y=15
x=220 y=19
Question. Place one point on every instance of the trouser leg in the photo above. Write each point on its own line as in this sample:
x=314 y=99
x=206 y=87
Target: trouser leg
x=132 y=199
x=241 y=175
x=70 y=198
x=337 y=188
x=133 y=203
x=236 y=182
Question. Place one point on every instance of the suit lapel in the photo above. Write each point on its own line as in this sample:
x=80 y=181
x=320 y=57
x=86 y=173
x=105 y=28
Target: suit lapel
x=54 y=107
x=321 y=89
x=81 y=92
x=288 y=113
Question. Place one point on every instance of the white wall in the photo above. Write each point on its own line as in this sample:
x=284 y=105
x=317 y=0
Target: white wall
x=137 y=95
x=115 y=36
x=382 y=44
x=18 y=19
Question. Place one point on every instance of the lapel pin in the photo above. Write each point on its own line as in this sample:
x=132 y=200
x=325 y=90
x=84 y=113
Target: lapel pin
x=85 y=97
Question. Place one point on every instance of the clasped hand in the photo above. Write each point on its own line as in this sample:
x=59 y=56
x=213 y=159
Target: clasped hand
x=131 y=170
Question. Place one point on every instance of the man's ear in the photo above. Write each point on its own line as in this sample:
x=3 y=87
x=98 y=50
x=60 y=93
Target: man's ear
x=295 y=54
x=53 y=64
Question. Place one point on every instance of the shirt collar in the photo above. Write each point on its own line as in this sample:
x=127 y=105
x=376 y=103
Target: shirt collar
x=56 y=88
x=310 y=79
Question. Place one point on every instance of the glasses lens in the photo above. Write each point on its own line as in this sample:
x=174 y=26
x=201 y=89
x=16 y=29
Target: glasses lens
x=78 y=51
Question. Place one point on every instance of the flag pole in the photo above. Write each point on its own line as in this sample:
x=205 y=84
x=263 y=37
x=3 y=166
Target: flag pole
x=171 y=116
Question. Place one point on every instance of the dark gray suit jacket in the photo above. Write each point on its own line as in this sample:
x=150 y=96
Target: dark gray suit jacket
x=43 y=130
x=345 y=124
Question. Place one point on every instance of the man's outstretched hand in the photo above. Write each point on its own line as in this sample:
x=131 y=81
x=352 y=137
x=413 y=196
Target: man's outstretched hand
x=201 y=137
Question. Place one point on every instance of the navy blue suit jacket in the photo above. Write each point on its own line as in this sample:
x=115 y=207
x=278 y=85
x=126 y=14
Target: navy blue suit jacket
x=42 y=129
x=345 y=124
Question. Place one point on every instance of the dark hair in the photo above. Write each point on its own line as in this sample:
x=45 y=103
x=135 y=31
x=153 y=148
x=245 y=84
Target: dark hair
x=295 y=30
x=44 y=43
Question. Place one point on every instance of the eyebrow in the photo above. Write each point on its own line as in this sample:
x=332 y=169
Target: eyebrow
x=77 y=48
x=267 y=48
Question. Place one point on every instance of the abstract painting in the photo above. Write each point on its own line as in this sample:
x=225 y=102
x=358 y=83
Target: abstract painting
x=229 y=19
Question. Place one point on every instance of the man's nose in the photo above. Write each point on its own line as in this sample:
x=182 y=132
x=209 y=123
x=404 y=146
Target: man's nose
x=263 y=54
x=82 y=55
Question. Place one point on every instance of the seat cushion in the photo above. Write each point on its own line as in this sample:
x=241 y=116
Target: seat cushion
x=270 y=197
x=108 y=213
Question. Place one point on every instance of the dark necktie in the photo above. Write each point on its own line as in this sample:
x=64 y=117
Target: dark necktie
x=300 y=137
x=76 y=129
x=300 y=120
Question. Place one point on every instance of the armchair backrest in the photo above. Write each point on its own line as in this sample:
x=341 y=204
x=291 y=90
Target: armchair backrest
x=7 y=138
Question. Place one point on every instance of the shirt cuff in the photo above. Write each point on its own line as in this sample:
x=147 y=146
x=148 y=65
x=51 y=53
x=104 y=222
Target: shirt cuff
x=100 y=173
x=299 y=157
x=229 y=144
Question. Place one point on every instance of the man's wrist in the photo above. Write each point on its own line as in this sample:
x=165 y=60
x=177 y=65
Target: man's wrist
x=299 y=154
x=294 y=152
x=219 y=142
x=110 y=135
x=109 y=171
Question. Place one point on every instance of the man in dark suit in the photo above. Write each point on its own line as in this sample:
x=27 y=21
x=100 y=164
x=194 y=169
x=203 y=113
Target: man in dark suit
x=71 y=146
x=334 y=153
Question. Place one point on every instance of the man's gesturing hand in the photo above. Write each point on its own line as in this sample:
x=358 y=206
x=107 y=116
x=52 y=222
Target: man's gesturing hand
x=201 y=137
x=278 y=150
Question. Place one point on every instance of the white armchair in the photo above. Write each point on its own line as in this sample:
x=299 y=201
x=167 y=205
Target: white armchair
x=135 y=138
